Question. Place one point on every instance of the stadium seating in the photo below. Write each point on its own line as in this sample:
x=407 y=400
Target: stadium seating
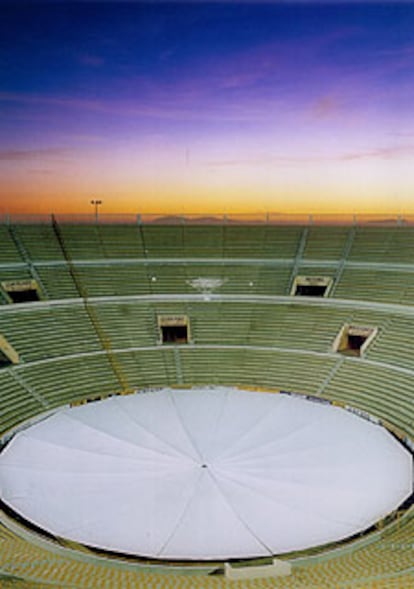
x=365 y=263
x=96 y=334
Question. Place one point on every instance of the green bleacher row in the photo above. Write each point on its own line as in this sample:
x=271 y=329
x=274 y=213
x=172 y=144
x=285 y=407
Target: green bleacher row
x=42 y=331
x=384 y=564
x=33 y=388
x=55 y=340
x=33 y=251
x=372 y=244
x=125 y=279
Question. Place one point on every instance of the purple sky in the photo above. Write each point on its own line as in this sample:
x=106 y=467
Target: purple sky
x=236 y=106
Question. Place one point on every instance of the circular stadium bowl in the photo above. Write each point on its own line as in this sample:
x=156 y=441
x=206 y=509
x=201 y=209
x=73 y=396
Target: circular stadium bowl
x=96 y=332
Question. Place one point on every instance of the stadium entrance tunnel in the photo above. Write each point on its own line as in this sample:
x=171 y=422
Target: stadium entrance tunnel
x=174 y=334
x=174 y=329
x=353 y=340
x=311 y=286
x=21 y=291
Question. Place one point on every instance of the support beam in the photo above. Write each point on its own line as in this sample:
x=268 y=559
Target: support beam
x=341 y=266
x=298 y=258
x=178 y=368
x=19 y=378
x=330 y=376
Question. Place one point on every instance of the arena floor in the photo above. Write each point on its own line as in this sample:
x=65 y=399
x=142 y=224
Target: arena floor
x=203 y=474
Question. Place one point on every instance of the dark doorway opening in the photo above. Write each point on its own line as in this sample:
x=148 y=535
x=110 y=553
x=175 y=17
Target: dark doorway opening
x=24 y=296
x=353 y=340
x=310 y=290
x=311 y=286
x=174 y=334
x=4 y=360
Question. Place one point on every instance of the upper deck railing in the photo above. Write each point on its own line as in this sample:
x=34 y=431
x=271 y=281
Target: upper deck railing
x=381 y=220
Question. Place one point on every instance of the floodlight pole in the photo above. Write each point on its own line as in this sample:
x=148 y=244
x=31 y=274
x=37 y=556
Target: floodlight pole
x=96 y=203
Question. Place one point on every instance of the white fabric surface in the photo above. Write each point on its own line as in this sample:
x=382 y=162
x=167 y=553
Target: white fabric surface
x=210 y=473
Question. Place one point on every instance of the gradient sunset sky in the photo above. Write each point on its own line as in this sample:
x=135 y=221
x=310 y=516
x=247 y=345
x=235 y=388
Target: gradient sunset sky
x=207 y=107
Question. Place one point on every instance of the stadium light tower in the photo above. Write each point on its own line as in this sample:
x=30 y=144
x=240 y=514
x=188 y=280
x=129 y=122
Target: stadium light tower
x=96 y=203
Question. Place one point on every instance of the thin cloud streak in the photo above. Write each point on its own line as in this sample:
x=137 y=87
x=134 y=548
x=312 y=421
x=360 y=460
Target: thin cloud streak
x=249 y=85
x=40 y=172
x=382 y=153
x=17 y=155
x=91 y=60
x=217 y=113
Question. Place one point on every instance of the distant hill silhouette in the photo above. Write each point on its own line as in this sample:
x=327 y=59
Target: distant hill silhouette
x=209 y=220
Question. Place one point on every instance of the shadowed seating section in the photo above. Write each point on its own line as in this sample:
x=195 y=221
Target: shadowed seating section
x=38 y=242
x=44 y=330
x=99 y=242
x=17 y=403
x=380 y=244
x=378 y=390
x=57 y=281
x=9 y=254
x=326 y=243
x=377 y=284
x=48 y=331
x=362 y=568
x=73 y=350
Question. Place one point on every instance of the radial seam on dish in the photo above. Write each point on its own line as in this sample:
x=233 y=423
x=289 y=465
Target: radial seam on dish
x=247 y=432
x=218 y=427
x=239 y=517
x=180 y=519
x=124 y=441
x=156 y=436
x=185 y=429
x=279 y=500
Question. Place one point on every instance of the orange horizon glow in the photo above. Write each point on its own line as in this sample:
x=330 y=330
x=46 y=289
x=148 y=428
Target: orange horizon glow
x=164 y=200
x=205 y=206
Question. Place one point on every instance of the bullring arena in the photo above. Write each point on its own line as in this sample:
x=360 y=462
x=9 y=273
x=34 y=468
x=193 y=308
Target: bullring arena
x=214 y=402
